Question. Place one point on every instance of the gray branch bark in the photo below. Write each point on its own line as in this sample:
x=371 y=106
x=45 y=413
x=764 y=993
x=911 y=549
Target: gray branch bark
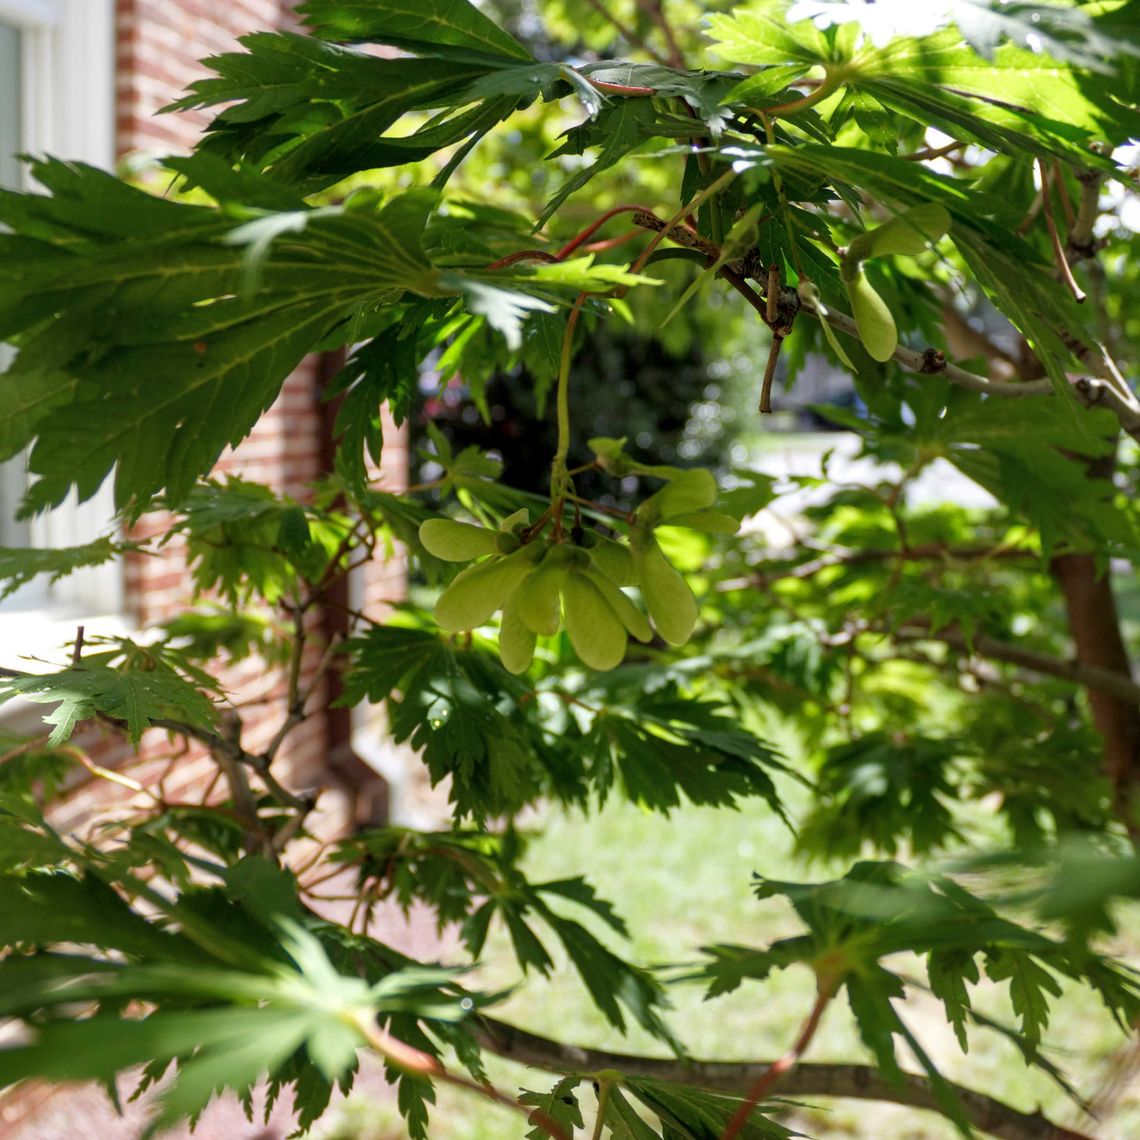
x=857 y=1082
x=1108 y=681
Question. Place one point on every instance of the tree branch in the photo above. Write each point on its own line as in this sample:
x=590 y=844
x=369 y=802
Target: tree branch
x=1082 y=242
x=1106 y=387
x=1063 y=267
x=630 y=35
x=1116 y=684
x=926 y=362
x=778 y=1070
x=856 y=1082
x=655 y=10
x=234 y=773
x=922 y=552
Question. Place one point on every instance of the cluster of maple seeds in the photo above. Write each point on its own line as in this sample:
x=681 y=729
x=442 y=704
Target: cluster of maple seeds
x=544 y=582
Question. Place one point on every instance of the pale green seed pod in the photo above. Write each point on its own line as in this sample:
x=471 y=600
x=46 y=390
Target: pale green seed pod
x=692 y=490
x=596 y=632
x=611 y=458
x=457 y=542
x=513 y=523
x=670 y=602
x=477 y=592
x=628 y=614
x=614 y=560
x=506 y=542
x=537 y=596
x=687 y=491
x=516 y=642
x=877 y=329
x=911 y=232
x=711 y=522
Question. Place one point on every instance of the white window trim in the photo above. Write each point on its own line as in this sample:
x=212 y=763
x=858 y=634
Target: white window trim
x=68 y=98
x=69 y=77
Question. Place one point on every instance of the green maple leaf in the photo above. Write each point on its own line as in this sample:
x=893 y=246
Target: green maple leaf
x=405 y=23
x=20 y=566
x=136 y=697
x=559 y=1103
x=460 y=706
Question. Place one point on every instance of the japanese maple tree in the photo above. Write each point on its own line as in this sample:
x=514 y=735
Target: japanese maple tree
x=938 y=211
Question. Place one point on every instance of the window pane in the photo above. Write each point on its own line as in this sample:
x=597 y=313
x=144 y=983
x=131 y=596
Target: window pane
x=10 y=105
x=12 y=478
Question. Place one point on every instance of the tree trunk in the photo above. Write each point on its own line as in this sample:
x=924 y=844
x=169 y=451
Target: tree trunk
x=1094 y=625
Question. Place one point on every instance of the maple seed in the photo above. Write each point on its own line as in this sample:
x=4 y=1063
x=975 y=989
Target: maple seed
x=596 y=633
x=670 y=602
x=516 y=641
x=477 y=592
x=691 y=490
x=614 y=560
x=910 y=234
x=628 y=614
x=458 y=542
x=877 y=328
x=711 y=522
x=537 y=595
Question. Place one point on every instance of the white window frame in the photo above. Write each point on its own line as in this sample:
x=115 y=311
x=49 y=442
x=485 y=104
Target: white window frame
x=68 y=111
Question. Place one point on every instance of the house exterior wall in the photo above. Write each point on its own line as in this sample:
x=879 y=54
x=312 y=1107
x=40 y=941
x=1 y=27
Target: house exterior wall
x=158 y=45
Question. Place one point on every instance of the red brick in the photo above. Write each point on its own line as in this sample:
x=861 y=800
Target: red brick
x=159 y=45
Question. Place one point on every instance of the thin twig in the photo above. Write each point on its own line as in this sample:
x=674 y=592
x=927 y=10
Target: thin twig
x=411 y=1060
x=928 y=362
x=245 y=806
x=931 y=551
x=767 y=1080
x=631 y=89
x=682 y=235
x=631 y=35
x=106 y=774
x=611 y=243
x=587 y=233
x=523 y=255
x=772 y=296
x=694 y=203
x=295 y=699
x=765 y=406
x=1062 y=193
x=655 y=10
x=1063 y=266
x=930 y=152
x=747 y=292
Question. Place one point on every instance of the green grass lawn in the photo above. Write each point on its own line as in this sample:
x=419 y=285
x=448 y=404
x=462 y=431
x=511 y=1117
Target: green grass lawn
x=683 y=882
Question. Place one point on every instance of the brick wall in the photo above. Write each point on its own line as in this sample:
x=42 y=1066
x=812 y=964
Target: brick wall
x=159 y=44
